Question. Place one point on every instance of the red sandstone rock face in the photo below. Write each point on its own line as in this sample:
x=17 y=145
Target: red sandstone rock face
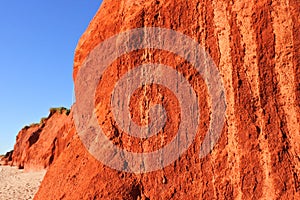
x=6 y=159
x=38 y=145
x=256 y=47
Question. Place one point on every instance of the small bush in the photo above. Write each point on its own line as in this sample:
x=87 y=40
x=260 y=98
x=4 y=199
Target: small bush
x=60 y=110
x=34 y=124
x=43 y=120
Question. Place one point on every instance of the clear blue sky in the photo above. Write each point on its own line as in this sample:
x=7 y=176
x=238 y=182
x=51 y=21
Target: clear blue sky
x=37 y=43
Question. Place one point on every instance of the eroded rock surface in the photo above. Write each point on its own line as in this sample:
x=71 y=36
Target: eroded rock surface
x=38 y=145
x=256 y=47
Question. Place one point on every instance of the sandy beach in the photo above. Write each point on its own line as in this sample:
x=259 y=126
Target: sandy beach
x=16 y=184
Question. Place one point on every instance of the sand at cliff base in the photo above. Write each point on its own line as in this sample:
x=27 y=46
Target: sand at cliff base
x=17 y=184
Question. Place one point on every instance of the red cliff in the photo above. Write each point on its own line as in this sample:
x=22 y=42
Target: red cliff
x=256 y=48
x=39 y=145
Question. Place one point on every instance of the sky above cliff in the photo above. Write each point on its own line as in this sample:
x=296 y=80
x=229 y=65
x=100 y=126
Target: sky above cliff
x=37 y=43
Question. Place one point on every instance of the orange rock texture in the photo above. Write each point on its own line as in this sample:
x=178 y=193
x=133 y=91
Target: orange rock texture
x=38 y=145
x=256 y=48
x=6 y=159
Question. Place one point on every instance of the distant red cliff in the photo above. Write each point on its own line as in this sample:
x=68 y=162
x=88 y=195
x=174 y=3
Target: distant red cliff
x=39 y=145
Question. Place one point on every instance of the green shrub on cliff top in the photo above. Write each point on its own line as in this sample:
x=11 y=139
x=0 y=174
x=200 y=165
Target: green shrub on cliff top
x=60 y=110
x=43 y=120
